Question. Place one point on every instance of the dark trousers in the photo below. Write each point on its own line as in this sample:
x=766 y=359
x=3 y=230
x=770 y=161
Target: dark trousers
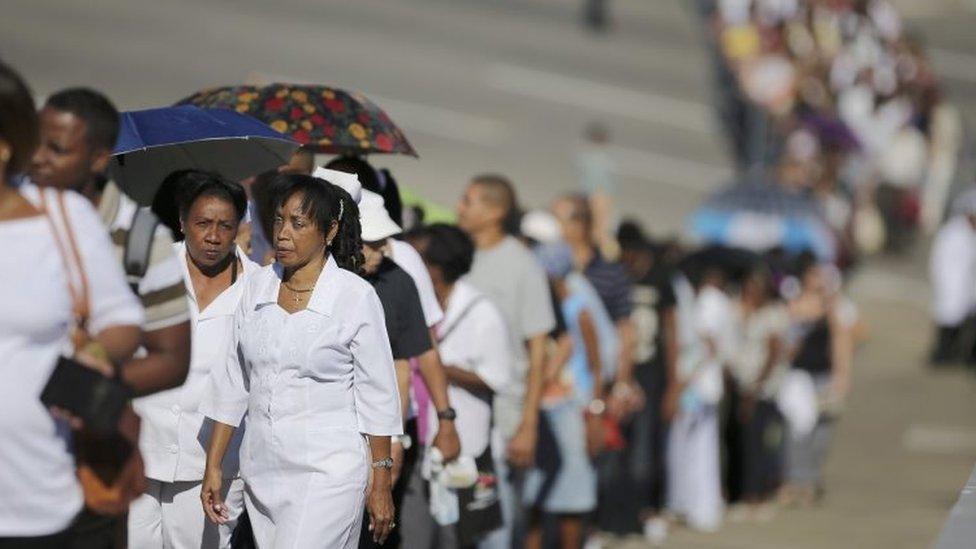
x=54 y=541
x=632 y=480
x=92 y=531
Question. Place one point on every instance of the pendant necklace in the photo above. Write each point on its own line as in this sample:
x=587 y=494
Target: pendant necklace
x=297 y=294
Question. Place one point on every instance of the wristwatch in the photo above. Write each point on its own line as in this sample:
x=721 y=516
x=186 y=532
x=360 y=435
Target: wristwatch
x=447 y=414
x=596 y=407
x=386 y=463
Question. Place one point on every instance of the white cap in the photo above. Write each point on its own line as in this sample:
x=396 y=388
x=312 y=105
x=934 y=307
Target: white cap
x=349 y=182
x=376 y=222
x=541 y=226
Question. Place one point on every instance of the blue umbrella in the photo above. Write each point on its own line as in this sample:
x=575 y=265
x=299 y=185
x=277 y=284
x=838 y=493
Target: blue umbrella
x=156 y=142
x=761 y=216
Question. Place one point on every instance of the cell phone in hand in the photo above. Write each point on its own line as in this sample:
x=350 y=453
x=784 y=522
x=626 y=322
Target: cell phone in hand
x=97 y=400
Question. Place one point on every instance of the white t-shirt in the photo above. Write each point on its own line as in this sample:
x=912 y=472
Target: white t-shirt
x=408 y=259
x=473 y=337
x=39 y=493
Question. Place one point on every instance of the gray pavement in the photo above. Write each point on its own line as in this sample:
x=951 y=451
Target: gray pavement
x=508 y=85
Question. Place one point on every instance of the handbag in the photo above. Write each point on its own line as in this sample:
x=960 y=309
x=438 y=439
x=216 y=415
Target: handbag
x=109 y=466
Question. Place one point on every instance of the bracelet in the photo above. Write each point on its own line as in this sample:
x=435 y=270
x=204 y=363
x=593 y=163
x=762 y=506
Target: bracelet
x=386 y=463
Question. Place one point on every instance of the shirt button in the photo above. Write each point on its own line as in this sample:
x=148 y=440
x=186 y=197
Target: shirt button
x=173 y=448
x=176 y=409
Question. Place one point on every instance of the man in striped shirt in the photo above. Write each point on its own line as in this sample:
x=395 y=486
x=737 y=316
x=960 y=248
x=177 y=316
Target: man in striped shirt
x=78 y=132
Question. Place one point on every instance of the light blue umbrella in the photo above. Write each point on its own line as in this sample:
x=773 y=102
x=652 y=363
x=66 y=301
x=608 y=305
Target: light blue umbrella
x=156 y=142
x=762 y=216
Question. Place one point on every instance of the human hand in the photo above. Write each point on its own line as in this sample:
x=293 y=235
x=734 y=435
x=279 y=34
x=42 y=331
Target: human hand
x=447 y=441
x=213 y=504
x=379 y=506
x=521 y=448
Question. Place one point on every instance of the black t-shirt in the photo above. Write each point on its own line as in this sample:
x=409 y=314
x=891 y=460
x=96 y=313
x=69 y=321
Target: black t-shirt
x=405 y=322
x=651 y=296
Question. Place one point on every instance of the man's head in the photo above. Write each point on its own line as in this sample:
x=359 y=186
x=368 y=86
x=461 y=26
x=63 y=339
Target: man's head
x=576 y=218
x=302 y=162
x=211 y=209
x=488 y=203
x=79 y=127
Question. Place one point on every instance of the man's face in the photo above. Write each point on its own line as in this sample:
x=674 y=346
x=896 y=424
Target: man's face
x=474 y=211
x=573 y=228
x=373 y=255
x=65 y=159
x=210 y=227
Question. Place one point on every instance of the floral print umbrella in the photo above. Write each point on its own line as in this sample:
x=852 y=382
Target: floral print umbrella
x=323 y=119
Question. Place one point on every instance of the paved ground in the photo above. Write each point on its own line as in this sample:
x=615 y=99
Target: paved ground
x=508 y=85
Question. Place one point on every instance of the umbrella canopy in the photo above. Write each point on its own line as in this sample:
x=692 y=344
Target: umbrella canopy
x=324 y=119
x=156 y=142
x=736 y=263
x=761 y=216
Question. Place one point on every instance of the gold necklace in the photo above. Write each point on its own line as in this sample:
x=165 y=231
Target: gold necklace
x=296 y=293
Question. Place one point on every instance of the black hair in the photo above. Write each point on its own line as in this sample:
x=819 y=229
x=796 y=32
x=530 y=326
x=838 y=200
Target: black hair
x=194 y=184
x=263 y=192
x=448 y=248
x=805 y=261
x=18 y=120
x=182 y=188
x=631 y=236
x=380 y=182
x=322 y=201
x=99 y=114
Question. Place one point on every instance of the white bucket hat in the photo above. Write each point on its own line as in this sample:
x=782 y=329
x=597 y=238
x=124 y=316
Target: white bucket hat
x=349 y=182
x=376 y=222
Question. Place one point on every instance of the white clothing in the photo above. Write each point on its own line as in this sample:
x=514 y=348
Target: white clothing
x=169 y=515
x=476 y=339
x=408 y=259
x=693 y=472
x=713 y=322
x=952 y=270
x=751 y=353
x=39 y=493
x=174 y=434
x=312 y=383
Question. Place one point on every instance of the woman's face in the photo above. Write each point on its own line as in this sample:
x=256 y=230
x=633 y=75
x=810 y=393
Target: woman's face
x=210 y=227
x=373 y=253
x=297 y=239
x=815 y=280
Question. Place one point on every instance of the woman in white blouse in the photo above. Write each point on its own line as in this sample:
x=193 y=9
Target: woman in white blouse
x=39 y=492
x=312 y=368
x=174 y=432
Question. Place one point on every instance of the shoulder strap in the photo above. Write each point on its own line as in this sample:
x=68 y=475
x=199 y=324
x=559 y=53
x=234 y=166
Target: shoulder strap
x=138 y=245
x=64 y=239
x=441 y=337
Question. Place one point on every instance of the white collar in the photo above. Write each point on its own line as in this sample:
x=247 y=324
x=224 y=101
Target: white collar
x=324 y=296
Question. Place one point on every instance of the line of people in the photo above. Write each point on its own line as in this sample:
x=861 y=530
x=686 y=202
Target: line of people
x=502 y=382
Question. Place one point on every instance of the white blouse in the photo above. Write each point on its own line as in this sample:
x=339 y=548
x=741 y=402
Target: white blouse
x=39 y=493
x=298 y=376
x=174 y=433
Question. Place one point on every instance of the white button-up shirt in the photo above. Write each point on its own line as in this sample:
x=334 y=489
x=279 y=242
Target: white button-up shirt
x=309 y=379
x=174 y=434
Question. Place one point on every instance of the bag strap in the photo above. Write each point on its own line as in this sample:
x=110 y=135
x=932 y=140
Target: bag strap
x=138 y=246
x=459 y=318
x=71 y=258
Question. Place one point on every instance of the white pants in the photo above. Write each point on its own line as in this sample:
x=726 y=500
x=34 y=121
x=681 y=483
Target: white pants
x=169 y=516
x=694 y=475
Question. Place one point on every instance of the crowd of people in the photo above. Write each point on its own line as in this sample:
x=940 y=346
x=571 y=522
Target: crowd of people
x=305 y=371
x=846 y=78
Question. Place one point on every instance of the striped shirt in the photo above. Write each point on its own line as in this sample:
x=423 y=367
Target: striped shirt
x=161 y=289
x=612 y=285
